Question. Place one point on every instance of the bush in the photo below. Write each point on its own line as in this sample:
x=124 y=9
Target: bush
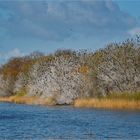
x=21 y=92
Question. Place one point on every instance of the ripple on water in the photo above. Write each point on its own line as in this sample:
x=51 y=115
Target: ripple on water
x=41 y=123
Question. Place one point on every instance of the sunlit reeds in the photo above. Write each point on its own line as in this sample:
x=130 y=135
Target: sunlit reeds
x=108 y=103
x=29 y=100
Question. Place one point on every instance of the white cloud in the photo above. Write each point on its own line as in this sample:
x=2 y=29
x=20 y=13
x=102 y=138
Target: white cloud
x=13 y=53
x=134 y=31
x=58 y=20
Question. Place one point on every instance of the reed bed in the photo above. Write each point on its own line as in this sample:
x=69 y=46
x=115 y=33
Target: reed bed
x=28 y=100
x=108 y=103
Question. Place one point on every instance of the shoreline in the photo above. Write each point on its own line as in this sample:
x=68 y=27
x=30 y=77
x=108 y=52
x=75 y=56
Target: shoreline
x=78 y=103
x=108 y=103
x=28 y=100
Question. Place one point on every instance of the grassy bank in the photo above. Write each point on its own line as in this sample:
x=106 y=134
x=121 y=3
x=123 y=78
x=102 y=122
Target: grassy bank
x=108 y=103
x=113 y=101
x=28 y=100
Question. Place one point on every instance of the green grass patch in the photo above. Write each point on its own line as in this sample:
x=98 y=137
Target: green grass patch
x=21 y=92
x=127 y=96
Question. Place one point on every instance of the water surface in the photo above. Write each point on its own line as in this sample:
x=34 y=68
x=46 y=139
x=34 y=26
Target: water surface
x=53 y=123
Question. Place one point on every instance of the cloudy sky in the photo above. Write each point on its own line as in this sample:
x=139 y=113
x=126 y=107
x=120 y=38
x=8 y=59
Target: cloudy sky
x=48 y=25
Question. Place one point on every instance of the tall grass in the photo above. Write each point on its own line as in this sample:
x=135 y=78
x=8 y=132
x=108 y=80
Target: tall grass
x=108 y=103
x=29 y=100
x=114 y=101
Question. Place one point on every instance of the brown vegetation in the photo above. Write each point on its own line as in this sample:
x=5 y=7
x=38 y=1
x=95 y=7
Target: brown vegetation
x=29 y=100
x=69 y=75
x=114 y=101
x=107 y=103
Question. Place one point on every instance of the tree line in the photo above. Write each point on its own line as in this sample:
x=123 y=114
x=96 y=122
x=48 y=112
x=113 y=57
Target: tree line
x=67 y=74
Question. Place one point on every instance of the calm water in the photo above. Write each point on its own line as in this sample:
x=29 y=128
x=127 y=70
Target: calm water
x=51 y=123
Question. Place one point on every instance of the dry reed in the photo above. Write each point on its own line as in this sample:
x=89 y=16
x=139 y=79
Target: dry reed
x=108 y=103
x=28 y=100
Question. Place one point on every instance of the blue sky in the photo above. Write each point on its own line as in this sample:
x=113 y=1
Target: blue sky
x=48 y=25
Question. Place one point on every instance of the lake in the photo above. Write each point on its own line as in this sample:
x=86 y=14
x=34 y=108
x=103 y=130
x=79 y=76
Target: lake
x=25 y=122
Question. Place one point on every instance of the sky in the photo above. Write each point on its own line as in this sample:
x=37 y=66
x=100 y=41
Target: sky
x=48 y=25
